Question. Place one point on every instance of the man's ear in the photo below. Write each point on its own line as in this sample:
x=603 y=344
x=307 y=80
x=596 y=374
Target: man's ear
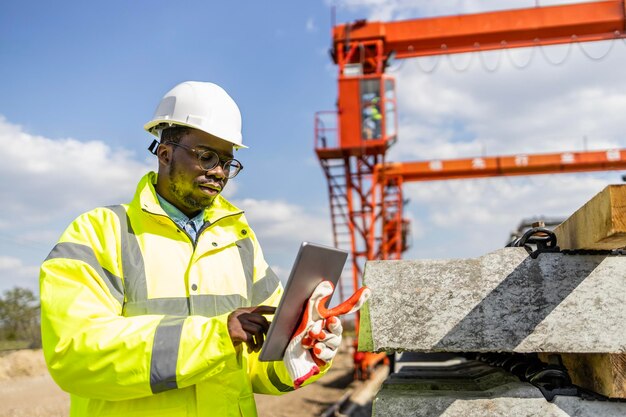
x=164 y=154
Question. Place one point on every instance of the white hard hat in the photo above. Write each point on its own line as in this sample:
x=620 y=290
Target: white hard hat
x=200 y=105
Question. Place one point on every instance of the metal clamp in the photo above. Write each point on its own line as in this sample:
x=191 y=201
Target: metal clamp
x=543 y=240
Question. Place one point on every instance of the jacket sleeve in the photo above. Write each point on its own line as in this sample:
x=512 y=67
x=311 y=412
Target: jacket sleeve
x=92 y=350
x=269 y=377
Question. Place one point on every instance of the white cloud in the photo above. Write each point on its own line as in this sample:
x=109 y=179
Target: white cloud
x=310 y=25
x=283 y=226
x=45 y=184
x=13 y=273
x=45 y=179
x=472 y=217
x=8 y=263
x=541 y=109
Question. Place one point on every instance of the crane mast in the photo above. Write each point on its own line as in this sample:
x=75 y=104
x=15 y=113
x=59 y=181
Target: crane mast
x=365 y=190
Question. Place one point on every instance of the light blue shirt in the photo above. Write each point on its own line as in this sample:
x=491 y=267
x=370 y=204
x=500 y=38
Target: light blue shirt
x=190 y=226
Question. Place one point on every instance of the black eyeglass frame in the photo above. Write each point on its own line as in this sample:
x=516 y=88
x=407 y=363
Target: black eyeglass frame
x=223 y=162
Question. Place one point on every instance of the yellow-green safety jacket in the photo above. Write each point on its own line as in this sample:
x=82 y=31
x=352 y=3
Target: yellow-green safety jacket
x=134 y=314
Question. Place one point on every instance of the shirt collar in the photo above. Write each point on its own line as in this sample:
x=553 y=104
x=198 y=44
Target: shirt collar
x=178 y=216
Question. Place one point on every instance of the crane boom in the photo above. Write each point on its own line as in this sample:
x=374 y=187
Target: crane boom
x=373 y=43
x=525 y=164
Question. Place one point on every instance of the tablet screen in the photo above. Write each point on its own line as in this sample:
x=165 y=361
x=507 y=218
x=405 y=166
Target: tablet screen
x=314 y=264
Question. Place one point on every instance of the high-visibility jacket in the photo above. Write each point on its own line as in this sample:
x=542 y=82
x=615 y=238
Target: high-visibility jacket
x=134 y=314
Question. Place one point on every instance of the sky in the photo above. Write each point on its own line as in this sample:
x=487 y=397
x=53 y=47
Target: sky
x=78 y=80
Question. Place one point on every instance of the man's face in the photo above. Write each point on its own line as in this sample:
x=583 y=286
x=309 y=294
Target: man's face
x=182 y=181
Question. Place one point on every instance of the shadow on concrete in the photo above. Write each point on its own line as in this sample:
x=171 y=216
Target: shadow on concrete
x=512 y=310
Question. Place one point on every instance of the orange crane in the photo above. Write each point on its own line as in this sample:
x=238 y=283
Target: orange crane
x=365 y=190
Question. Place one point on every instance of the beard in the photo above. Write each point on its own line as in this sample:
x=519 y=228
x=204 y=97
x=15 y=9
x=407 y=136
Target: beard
x=184 y=193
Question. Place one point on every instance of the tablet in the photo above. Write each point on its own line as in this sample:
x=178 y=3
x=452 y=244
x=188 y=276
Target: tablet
x=314 y=264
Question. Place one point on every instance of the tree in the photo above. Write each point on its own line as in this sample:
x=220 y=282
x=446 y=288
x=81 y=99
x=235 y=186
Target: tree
x=19 y=316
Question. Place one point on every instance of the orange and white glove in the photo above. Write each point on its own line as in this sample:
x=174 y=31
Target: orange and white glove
x=318 y=336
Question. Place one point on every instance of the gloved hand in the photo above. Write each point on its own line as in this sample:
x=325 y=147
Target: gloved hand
x=318 y=336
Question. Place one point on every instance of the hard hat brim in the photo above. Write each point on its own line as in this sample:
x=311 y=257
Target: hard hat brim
x=150 y=127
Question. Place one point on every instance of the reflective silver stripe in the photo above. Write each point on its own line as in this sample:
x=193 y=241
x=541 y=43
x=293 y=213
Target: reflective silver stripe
x=264 y=287
x=175 y=306
x=208 y=305
x=211 y=305
x=133 y=268
x=246 y=253
x=275 y=380
x=165 y=354
x=86 y=254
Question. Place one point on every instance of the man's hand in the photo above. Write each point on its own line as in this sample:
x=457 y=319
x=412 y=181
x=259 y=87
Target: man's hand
x=249 y=325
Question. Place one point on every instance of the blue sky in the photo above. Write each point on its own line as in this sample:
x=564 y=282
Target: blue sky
x=79 y=79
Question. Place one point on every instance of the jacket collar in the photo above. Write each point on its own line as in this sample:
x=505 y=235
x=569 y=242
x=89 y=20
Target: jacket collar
x=146 y=199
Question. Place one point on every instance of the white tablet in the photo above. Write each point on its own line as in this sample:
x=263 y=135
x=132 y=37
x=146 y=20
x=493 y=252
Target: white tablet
x=314 y=264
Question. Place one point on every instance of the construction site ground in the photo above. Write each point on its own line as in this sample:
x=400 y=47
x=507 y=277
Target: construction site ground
x=26 y=389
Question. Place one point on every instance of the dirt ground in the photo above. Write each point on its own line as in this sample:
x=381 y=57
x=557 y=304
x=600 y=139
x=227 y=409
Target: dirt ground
x=26 y=389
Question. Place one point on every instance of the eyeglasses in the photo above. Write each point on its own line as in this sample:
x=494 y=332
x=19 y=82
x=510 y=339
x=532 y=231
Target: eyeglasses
x=208 y=160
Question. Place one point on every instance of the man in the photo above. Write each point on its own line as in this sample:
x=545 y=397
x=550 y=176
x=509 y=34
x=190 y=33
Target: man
x=158 y=307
